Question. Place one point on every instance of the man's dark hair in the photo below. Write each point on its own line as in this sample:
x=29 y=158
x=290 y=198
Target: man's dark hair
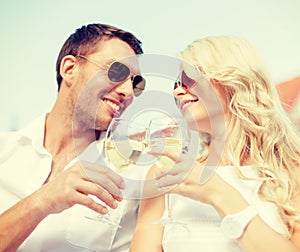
x=84 y=39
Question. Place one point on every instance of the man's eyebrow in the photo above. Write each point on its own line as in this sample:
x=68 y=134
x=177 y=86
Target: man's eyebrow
x=110 y=60
x=101 y=59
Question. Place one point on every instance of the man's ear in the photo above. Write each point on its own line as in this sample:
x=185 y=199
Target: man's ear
x=67 y=67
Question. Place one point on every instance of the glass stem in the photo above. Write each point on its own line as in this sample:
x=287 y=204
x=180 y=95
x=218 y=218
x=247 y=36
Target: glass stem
x=167 y=206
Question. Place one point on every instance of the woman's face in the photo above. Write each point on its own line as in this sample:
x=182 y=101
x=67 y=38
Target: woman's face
x=190 y=104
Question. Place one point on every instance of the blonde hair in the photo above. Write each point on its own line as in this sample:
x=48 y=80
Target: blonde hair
x=259 y=130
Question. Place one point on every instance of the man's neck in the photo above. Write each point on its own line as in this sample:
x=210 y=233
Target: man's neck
x=62 y=138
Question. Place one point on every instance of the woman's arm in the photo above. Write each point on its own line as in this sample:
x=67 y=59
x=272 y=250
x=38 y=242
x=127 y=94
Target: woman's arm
x=147 y=236
x=258 y=236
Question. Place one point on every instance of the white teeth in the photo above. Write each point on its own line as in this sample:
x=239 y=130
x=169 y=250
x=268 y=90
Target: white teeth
x=186 y=104
x=113 y=105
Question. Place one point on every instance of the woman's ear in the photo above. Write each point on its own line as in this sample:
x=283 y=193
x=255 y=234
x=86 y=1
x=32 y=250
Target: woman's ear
x=217 y=85
x=67 y=67
x=215 y=82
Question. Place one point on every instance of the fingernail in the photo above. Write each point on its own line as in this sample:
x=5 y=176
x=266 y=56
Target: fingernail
x=122 y=185
x=158 y=164
x=115 y=204
x=104 y=210
x=120 y=196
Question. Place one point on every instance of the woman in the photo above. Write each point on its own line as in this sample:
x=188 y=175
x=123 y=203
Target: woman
x=252 y=201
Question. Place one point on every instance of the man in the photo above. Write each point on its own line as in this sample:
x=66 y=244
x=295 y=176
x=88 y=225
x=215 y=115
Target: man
x=47 y=194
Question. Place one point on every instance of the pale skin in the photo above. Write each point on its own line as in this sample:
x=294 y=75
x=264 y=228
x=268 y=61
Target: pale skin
x=64 y=139
x=216 y=192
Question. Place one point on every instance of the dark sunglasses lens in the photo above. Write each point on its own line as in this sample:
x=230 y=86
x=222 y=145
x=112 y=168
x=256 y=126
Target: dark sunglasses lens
x=138 y=84
x=118 y=72
x=176 y=84
x=187 y=81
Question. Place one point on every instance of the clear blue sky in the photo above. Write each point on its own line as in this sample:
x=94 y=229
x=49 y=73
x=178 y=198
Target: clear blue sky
x=33 y=31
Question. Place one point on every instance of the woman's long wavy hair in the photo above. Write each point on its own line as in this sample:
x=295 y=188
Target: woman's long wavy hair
x=259 y=131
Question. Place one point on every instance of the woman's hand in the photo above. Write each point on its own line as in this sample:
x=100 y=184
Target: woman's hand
x=187 y=182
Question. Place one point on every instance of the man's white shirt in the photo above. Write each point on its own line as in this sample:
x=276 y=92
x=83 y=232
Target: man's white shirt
x=24 y=167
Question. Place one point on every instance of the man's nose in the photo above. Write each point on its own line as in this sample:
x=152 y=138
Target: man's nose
x=125 y=88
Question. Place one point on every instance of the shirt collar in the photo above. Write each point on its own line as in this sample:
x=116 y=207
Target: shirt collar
x=35 y=132
x=92 y=153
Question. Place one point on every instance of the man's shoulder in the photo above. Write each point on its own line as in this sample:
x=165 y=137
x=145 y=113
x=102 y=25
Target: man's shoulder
x=11 y=139
x=8 y=137
x=8 y=142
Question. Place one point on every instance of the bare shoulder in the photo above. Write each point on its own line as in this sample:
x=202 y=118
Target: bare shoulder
x=296 y=198
x=296 y=202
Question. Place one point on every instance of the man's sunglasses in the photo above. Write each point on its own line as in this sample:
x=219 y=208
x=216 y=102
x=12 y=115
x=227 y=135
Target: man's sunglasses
x=118 y=72
x=184 y=81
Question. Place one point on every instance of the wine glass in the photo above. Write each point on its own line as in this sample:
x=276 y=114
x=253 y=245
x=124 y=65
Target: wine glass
x=168 y=134
x=124 y=143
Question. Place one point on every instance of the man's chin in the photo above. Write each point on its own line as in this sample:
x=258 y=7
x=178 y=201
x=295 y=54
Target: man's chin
x=105 y=122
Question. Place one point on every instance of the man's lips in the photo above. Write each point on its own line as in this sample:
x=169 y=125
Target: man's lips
x=114 y=105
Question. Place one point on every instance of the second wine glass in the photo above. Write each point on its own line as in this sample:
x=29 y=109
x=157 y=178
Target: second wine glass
x=168 y=136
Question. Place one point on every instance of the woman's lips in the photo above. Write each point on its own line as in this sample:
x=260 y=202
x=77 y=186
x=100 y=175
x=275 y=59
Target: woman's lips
x=186 y=103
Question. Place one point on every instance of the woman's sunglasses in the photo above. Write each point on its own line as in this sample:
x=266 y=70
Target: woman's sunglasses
x=118 y=72
x=184 y=81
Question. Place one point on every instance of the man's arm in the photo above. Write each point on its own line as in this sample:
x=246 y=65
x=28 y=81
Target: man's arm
x=69 y=188
x=18 y=222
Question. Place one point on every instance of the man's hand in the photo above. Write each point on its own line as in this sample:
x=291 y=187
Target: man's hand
x=75 y=184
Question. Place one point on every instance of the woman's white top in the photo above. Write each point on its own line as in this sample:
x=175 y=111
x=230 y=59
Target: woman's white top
x=200 y=228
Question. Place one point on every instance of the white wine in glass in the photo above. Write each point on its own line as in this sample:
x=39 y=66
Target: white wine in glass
x=168 y=136
x=124 y=143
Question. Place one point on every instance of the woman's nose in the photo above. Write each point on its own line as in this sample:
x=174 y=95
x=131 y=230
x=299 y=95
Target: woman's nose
x=179 y=90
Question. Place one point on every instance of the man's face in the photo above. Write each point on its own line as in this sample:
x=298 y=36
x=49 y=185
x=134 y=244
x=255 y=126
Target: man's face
x=97 y=99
